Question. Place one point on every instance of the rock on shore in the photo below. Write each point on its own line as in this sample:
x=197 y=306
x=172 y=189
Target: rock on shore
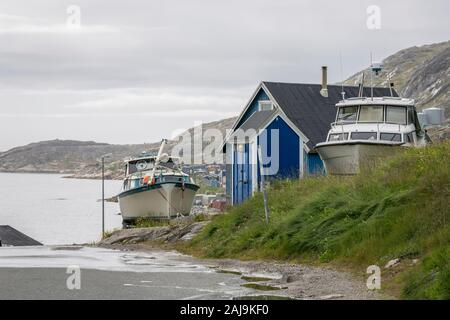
x=168 y=234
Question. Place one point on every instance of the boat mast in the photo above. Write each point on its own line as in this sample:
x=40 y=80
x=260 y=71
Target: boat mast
x=158 y=157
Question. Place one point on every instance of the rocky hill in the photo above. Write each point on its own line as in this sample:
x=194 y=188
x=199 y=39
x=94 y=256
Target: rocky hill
x=81 y=158
x=420 y=72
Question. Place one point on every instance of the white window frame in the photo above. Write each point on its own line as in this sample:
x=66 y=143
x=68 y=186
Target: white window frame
x=265 y=102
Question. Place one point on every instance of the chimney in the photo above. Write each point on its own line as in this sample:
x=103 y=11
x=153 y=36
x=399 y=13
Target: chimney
x=324 y=90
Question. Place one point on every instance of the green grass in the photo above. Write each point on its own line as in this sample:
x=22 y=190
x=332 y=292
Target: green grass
x=397 y=209
x=150 y=223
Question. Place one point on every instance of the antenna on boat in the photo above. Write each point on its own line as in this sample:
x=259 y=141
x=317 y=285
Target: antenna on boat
x=371 y=76
x=376 y=68
x=342 y=76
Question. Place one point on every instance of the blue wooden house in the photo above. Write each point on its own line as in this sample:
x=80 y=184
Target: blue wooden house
x=301 y=115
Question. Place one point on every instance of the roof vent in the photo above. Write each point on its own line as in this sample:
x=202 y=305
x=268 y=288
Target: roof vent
x=324 y=90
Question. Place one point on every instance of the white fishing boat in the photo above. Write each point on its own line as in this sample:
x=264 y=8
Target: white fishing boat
x=367 y=129
x=155 y=187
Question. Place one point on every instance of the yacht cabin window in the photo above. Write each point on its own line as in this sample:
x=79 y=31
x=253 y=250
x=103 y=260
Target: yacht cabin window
x=410 y=116
x=364 y=136
x=409 y=137
x=396 y=115
x=132 y=168
x=390 y=136
x=338 y=136
x=347 y=114
x=371 y=114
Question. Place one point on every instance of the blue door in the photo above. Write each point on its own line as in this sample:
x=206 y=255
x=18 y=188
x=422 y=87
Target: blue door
x=242 y=174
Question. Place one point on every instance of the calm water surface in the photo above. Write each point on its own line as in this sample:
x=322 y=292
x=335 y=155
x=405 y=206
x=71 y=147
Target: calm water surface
x=54 y=210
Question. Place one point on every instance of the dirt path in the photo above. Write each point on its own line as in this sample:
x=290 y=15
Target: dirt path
x=302 y=282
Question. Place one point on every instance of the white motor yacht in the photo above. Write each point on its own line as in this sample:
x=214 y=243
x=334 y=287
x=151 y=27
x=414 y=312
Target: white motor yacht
x=368 y=128
x=155 y=187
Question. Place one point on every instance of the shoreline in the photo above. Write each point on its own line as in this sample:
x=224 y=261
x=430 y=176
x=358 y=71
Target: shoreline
x=280 y=278
x=65 y=175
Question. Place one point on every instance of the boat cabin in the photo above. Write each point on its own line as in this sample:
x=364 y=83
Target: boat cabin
x=143 y=164
x=138 y=169
x=389 y=119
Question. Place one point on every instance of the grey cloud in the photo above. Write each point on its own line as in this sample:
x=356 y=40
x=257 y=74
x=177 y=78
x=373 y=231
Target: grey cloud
x=183 y=55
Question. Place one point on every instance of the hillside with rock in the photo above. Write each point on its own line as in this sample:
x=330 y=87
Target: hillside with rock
x=81 y=159
x=420 y=72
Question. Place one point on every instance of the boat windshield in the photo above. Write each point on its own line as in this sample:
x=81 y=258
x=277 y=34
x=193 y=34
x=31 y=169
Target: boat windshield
x=347 y=113
x=134 y=183
x=371 y=114
x=396 y=115
x=364 y=136
x=140 y=165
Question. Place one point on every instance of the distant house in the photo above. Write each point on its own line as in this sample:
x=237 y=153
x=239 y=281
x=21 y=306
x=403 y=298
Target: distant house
x=301 y=113
x=212 y=180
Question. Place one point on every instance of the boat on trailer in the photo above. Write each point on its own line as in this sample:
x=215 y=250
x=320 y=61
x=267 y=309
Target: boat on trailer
x=155 y=187
x=367 y=129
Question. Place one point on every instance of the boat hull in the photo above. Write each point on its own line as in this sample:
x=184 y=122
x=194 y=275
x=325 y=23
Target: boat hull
x=350 y=158
x=157 y=201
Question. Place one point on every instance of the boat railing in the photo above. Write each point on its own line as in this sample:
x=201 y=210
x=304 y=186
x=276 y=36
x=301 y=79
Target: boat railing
x=339 y=126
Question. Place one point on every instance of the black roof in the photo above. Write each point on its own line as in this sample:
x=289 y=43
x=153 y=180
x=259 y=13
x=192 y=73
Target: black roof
x=256 y=119
x=309 y=110
x=11 y=237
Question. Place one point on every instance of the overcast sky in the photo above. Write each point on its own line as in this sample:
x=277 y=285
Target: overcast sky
x=137 y=70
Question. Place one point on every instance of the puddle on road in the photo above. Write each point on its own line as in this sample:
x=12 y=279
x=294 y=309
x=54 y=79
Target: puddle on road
x=68 y=248
x=255 y=279
x=211 y=287
x=258 y=286
x=96 y=258
x=229 y=272
x=263 y=297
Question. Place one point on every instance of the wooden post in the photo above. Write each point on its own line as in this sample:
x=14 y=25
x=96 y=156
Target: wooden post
x=103 y=197
x=263 y=185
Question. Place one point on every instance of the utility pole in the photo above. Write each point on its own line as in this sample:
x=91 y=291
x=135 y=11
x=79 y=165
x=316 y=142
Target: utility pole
x=103 y=197
x=263 y=186
x=103 y=192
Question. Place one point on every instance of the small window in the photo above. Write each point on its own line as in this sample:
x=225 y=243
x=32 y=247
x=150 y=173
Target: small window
x=411 y=116
x=135 y=183
x=396 y=115
x=409 y=138
x=338 y=137
x=390 y=136
x=131 y=168
x=347 y=114
x=371 y=114
x=265 y=105
x=364 y=136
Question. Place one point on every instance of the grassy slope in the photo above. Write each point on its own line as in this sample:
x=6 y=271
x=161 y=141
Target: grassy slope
x=399 y=209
